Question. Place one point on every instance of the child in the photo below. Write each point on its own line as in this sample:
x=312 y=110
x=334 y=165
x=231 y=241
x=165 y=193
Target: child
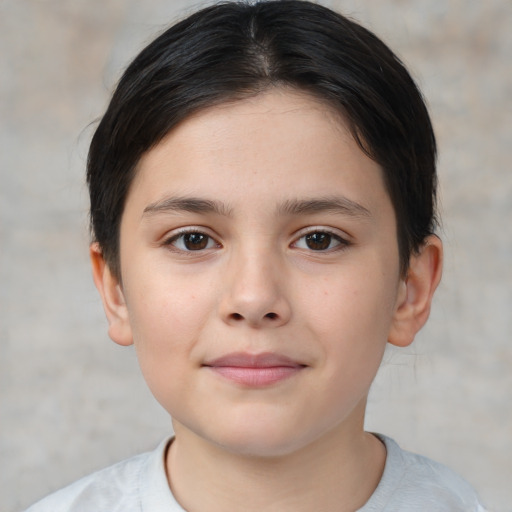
x=263 y=210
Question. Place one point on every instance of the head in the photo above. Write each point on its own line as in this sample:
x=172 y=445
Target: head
x=262 y=197
x=233 y=51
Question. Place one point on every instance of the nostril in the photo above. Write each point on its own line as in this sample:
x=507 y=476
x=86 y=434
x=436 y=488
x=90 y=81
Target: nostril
x=237 y=317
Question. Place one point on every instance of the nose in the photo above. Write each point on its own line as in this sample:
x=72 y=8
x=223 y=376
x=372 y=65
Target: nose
x=255 y=292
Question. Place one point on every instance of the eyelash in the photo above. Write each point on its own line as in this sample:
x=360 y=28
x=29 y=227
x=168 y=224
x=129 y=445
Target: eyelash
x=171 y=241
x=341 y=243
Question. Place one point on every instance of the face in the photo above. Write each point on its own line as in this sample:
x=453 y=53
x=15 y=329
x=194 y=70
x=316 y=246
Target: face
x=260 y=274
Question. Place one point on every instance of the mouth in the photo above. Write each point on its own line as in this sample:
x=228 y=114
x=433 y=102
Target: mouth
x=255 y=370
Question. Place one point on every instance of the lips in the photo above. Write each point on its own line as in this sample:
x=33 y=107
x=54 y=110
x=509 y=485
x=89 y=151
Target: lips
x=254 y=370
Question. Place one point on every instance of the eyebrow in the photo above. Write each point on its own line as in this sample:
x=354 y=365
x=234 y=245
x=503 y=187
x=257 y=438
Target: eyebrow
x=336 y=204
x=187 y=204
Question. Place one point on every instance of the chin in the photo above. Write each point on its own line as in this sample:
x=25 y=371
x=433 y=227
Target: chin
x=259 y=446
x=261 y=439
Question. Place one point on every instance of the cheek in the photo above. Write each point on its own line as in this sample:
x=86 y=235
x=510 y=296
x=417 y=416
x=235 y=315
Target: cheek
x=167 y=316
x=165 y=331
x=351 y=299
x=351 y=314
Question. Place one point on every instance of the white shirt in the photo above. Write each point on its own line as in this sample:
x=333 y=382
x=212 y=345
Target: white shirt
x=410 y=482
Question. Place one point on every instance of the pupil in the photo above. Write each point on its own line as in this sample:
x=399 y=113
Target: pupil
x=318 y=241
x=195 y=241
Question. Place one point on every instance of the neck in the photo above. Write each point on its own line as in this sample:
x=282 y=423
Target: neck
x=337 y=472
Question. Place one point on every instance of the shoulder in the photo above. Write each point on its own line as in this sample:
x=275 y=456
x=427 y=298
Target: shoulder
x=413 y=482
x=123 y=487
x=112 y=486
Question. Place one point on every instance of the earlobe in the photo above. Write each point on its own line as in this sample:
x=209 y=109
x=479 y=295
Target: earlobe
x=112 y=297
x=416 y=292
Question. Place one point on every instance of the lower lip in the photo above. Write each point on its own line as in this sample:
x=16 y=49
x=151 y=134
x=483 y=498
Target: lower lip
x=256 y=377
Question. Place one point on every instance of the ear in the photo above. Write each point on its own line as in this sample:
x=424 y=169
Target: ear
x=416 y=292
x=112 y=296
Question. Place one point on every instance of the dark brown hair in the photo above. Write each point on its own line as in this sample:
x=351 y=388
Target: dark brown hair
x=232 y=50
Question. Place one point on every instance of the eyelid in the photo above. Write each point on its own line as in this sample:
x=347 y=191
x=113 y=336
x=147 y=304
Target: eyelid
x=322 y=229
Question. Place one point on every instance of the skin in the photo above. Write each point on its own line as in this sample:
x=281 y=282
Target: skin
x=296 y=255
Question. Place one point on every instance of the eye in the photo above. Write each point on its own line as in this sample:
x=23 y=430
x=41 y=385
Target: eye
x=320 y=241
x=192 y=241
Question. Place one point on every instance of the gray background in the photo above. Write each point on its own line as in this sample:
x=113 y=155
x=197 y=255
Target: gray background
x=72 y=401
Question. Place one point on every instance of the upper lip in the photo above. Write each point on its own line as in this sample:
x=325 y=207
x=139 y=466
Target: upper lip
x=245 y=360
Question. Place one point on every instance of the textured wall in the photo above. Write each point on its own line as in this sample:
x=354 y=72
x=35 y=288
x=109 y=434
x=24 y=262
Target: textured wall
x=72 y=401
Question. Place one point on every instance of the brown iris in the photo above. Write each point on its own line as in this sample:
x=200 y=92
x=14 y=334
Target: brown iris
x=195 y=241
x=318 y=241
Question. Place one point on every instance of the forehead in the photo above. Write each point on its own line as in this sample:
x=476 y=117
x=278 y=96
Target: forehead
x=279 y=143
